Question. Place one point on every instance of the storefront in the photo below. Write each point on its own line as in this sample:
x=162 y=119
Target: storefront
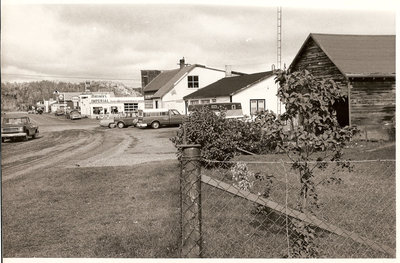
x=101 y=107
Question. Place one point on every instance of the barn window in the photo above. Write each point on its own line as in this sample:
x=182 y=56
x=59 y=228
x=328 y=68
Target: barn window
x=193 y=81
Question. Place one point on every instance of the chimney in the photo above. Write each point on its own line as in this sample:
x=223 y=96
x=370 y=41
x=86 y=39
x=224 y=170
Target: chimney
x=182 y=62
x=228 y=71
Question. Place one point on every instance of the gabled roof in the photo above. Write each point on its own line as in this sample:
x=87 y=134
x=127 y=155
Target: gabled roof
x=357 y=55
x=229 y=86
x=167 y=79
x=161 y=80
x=169 y=85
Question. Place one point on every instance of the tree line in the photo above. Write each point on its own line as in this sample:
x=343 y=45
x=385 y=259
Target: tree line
x=20 y=96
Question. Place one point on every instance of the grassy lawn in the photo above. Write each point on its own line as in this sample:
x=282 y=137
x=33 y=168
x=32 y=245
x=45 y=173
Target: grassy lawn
x=133 y=211
x=93 y=212
x=363 y=203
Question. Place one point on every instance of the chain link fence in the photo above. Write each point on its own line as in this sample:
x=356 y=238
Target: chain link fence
x=250 y=209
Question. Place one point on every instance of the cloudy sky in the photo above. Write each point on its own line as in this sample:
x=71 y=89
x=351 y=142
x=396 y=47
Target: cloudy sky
x=74 y=42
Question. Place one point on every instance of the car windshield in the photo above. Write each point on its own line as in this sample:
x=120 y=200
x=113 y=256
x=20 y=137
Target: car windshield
x=15 y=120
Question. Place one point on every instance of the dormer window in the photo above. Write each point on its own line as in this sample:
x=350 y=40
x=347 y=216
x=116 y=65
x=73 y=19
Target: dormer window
x=193 y=81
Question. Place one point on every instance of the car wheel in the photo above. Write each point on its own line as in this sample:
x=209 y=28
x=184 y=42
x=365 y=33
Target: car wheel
x=111 y=125
x=3 y=139
x=34 y=136
x=155 y=125
x=121 y=125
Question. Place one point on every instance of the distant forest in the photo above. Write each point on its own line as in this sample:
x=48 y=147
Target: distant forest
x=20 y=96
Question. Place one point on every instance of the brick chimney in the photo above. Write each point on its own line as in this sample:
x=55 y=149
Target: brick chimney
x=228 y=71
x=182 y=62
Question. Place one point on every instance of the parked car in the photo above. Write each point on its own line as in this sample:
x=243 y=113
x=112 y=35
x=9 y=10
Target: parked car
x=130 y=119
x=156 y=118
x=233 y=110
x=74 y=115
x=60 y=112
x=107 y=122
x=18 y=127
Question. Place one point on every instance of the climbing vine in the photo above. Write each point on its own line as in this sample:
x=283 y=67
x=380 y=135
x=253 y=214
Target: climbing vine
x=310 y=135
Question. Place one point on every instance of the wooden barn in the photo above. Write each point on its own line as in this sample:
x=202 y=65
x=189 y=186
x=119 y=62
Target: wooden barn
x=364 y=66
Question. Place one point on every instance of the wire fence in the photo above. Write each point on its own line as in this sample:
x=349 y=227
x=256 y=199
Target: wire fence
x=250 y=209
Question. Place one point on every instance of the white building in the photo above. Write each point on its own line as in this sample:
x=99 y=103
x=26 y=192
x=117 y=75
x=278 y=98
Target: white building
x=170 y=86
x=46 y=104
x=98 y=104
x=256 y=92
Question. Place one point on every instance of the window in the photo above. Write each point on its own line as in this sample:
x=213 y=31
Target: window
x=114 y=109
x=97 y=110
x=148 y=104
x=130 y=107
x=205 y=101
x=193 y=81
x=194 y=102
x=257 y=106
x=175 y=112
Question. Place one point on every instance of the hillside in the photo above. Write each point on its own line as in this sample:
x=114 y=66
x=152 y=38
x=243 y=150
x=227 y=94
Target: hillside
x=19 y=96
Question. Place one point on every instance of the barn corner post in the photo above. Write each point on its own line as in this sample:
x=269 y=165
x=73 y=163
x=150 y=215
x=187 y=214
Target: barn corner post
x=190 y=188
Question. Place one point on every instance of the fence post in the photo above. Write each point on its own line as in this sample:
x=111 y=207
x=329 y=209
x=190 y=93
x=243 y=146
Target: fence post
x=190 y=185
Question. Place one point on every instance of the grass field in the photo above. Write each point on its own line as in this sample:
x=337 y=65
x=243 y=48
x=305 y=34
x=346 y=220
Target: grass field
x=363 y=203
x=133 y=211
x=93 y=212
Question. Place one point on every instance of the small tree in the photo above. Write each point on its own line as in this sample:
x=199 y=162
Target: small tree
x=315 y=141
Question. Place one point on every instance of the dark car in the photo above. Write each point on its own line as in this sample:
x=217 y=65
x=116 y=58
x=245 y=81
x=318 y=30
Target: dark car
x=130 y=119
x=60 y=112
x=73 y=115
x=156 y=118
x=18 y=128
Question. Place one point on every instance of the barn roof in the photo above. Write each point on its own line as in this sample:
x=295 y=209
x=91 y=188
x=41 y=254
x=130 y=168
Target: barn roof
x=357 y=55
x=229 y=86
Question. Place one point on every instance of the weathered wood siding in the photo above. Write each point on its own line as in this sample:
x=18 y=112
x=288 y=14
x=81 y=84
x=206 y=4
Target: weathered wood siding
x=373 y=105
x=313 y=59
x=372 y=100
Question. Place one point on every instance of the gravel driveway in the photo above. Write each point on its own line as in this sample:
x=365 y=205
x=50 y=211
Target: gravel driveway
x=83 y=143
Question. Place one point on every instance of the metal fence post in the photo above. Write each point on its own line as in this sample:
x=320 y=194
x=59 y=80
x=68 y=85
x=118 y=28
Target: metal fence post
x=190 y=185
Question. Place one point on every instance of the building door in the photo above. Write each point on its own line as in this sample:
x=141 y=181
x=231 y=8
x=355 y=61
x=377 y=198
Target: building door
x=342 y=112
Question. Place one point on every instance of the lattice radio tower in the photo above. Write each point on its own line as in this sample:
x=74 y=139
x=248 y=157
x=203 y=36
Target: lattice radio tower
x=279 y=39
x=279 y=51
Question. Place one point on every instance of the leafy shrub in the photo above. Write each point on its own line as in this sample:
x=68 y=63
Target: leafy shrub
x=220 y=137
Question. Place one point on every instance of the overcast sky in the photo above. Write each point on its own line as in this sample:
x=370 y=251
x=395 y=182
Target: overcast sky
x=66 y=41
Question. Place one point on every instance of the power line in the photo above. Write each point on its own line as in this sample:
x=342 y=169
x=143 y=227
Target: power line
x=67 y=77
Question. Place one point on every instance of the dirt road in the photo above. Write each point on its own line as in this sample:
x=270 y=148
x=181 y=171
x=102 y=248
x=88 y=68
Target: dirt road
x=83 y=143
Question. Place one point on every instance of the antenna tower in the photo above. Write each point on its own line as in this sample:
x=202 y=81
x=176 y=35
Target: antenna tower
x=279 y=51
x=279 y=38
